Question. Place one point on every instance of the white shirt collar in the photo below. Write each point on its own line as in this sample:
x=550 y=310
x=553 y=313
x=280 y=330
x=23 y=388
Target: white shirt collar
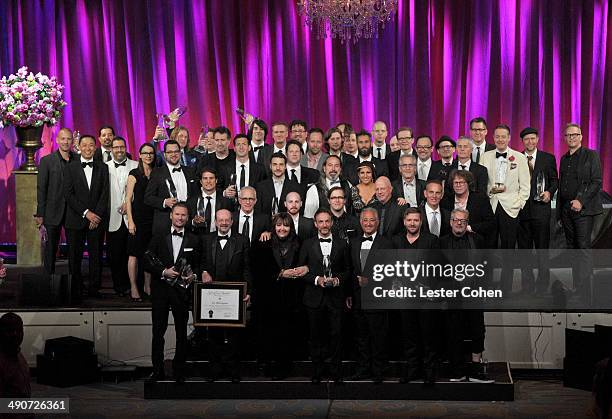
x=242 y=214
x=212 y=195
x=170 y=167
x=373 y=235
x=535 y=152
x=430 y=210
x=86 y=161
x=229 y=233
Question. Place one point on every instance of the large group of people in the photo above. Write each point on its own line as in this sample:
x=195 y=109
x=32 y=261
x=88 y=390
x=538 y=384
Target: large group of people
x=292 y=217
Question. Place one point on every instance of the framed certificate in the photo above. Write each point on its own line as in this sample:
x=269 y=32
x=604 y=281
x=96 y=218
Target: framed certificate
x=219 y=304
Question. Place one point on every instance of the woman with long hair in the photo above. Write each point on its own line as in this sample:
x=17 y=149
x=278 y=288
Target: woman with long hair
x=140 y=218
x=278 y=294
x=364 y=193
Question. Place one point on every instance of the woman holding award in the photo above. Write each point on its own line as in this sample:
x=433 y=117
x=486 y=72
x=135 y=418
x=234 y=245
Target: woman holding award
x=278 y=293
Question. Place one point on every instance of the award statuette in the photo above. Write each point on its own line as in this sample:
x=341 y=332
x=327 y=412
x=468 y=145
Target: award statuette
x=500 y=174
x=186 y=275
x=327 y=272
x=540 y=184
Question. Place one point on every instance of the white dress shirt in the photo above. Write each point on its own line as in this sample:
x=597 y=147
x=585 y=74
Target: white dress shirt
x=423 y=168
x=383 y=151
x=279 y=150
x=239 y=171
x=180 y=182
x=410 y=194
x=296 y=222
x=242 y=219
x=535 y=156
x=466 y=165
x=213 y=205
x=298 y=172
x=88 y=171
x=431 y=213
x=177 y=242
x=223 y=243
x=255 y=153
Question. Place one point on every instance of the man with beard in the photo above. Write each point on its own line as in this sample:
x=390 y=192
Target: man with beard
x=316 y=196
x=304 y=227
x=273 y=191
x=315 y=156
x=364 y=144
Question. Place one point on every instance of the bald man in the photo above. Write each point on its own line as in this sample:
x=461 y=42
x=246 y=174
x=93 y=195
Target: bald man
x=380 y=149
x=304 y=227
x=389 y=212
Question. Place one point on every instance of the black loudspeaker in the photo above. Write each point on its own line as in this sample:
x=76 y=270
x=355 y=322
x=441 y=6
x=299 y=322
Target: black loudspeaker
x=66 y=362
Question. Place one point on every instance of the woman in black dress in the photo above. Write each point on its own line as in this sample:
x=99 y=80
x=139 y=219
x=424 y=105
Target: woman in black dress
x=140 y=218
x=278 y=293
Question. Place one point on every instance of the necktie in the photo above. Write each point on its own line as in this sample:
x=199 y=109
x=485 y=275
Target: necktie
x=256 y=149
x=530 y=162
x=177 y=233
x=462 y=166
x=86 y=163
x=183 y=160
x=119 y=164
x=325 y=240
x=435 y=225
x=222 y=238
x=208 y=212
x=108 y=156
x=379 y=153
x=478 y=154
x=447 y=164
x=176 y=169
x=365 y=239
x=242 y=176
x=246 y=227
x=293 y=176
x=422 y=171
x=498 y=154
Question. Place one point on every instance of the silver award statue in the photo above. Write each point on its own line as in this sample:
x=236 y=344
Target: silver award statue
x=540 y=184
x=500 y=174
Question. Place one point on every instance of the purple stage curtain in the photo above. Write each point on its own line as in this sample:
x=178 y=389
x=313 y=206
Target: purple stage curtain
x=437 y=65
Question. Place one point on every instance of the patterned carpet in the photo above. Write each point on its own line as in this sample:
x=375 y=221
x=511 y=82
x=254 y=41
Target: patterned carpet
x=534 y=399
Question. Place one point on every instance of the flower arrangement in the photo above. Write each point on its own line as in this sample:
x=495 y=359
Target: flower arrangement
x=28 y=99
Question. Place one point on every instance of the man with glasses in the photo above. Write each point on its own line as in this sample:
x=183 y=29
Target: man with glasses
x=478 y=133
x=405 y=139
x=408 y=186
x=345 y=225
x=169 y=184
x=298 y=130
x=578 y=200
x=248 y=221
x=316 y=196
x=424 y=149
x=440 y=169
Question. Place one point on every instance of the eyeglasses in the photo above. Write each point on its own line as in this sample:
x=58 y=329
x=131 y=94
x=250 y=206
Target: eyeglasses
x=573 y=135
x=173 y=152
x=459 y=182
x=407 y=165
x=458 y=221
x=423 y=147
x=404 y=138
x=147 y=153
x=445 y=147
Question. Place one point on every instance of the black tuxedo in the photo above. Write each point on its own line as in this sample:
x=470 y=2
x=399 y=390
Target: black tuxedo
x=51 y=203
x=99 y=157
x=257 y=173
x=398 y=189
x=165 y=297
x=391 y=219
x=229 y=264
x=157 y=191
x=81 y=197
x=439 y=171
x=346 y=226
x=308 y=176
x=325 y=305
x=347 y=160
x=220 y=203
x=534 y=221
x=444 y=216
x=306 y=228
x=259 y=221
x=481 y=177
x=264 y=156
x=266 y=195
x=393 y=163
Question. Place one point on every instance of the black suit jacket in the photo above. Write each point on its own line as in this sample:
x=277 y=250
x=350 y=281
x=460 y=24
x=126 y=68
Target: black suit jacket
x=488 y=146
x=264 y=156
x=311 y=255
x=589 y=181
x=161 y=246
x=393 y=221
x=50 y=197
x=547 y=165
x=257 y=173
x=380 y=242
x=238 y=268
x=439 y=171
x=346 y=159
x=80 y=197
x=306 y=228
x=260 y=223
x=266 y=194
x=393 y=163
x=157 y=191
x=481 y=177
x=398 y=189
x=308 y=176
x=444 y=219
x=220 y=203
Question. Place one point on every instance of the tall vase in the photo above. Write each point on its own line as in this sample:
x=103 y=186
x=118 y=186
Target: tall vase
x=29 y=138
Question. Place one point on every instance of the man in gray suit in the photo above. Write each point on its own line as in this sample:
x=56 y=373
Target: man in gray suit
x=51 y=202
x=314 y=157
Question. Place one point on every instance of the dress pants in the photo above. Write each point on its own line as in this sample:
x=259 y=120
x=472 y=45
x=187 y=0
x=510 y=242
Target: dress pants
x=507 y=230
x=54 y=233
x=578 y=229
x=327 y=317
x=372 y=326
x=461 y=325
x=164 y=298
x=419 y=339
x=224 y=351
x=116 y=249
x=535 y=232
x=76 y=246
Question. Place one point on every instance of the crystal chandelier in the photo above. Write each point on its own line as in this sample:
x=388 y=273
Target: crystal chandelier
x=347 y=19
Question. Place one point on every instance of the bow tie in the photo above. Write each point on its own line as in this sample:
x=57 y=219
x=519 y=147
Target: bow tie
x=176 y=169
x=365 y=239
x=177 y=233
x=325 y=240
x=86 y=163
x=498 y=155
x=258 y=148
x=119 y=164
x=222 y=238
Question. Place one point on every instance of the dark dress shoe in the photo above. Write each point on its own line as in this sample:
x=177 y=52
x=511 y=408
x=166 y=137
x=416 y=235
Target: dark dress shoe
x=157 y=375
x=235 y=380
x=430 y=377
x=212 y=378
x=315 y=380
x=377 y=379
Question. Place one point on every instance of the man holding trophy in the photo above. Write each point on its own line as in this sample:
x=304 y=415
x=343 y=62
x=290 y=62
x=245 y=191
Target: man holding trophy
x=508 y=190
x=173 y=259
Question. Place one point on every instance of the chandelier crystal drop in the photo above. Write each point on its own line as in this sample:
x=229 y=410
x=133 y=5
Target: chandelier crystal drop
x=347 y=19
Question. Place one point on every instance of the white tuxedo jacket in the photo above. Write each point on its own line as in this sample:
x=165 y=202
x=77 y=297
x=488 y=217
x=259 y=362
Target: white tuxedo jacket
x=518 y=181
x=117 y=185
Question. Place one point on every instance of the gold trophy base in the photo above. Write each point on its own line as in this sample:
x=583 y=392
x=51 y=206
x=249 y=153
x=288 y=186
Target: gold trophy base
x=29 y=250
